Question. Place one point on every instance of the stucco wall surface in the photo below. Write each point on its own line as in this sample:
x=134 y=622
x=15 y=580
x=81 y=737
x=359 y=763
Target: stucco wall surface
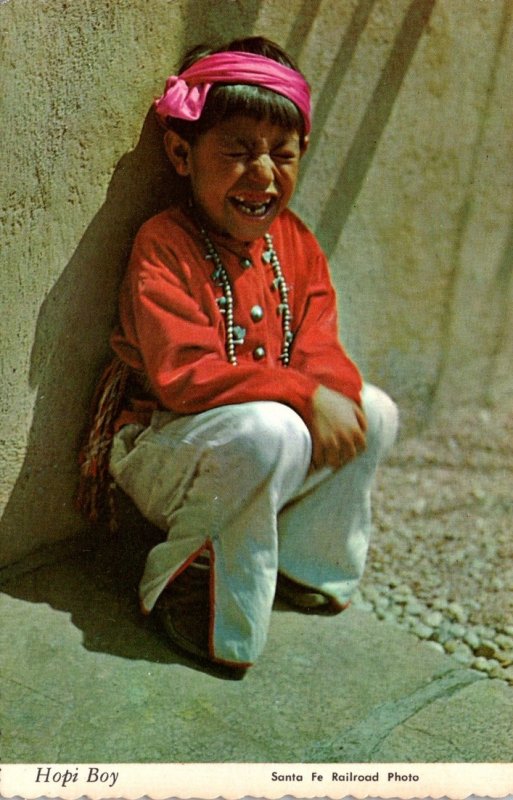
x=407 y=183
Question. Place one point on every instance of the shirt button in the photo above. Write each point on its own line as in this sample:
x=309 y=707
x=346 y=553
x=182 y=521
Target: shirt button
x=257 y=313
x=259 y=353
x=246 y=263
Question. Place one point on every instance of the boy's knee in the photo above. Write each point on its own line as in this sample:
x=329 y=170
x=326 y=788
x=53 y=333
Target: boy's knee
x=267 y=428
x=382 y=418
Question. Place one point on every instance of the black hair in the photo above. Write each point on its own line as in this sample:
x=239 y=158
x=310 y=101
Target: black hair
x=228 y=100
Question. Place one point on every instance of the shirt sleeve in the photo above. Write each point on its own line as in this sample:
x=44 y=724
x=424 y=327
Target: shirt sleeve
x=317 y=351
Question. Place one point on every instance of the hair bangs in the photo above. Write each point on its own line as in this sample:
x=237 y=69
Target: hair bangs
x=257 y=102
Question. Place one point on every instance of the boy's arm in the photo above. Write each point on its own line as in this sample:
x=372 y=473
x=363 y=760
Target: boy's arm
x=338 y=423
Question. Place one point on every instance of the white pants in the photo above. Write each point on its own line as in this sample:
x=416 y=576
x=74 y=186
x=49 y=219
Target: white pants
x=236 y=480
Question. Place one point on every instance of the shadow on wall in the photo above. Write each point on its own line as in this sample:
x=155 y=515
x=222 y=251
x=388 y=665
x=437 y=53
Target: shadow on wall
x=71 y=343
x=359 y=158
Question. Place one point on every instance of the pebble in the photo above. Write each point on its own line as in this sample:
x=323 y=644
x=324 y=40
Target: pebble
x=507 y=674
x=414 y=608
x=432 y=618
x=505 y=657
x=472 y=639
x=504 y=641
x=457 y=612
x=435 y=646
x=480 y=664
x=457 y=630
x=422 y=631
x=462 y=656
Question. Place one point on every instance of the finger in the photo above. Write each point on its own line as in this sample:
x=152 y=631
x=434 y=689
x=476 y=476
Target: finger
x=346 y=452
x=317 y=454
x=360 y=441
x=360 y=416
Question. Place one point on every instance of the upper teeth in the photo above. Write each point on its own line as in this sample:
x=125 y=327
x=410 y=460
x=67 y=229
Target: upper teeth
x=252 y=206
x=251 y=202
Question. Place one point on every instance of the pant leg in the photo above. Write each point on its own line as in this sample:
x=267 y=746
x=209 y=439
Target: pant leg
x=218 y=479
x=324 y=531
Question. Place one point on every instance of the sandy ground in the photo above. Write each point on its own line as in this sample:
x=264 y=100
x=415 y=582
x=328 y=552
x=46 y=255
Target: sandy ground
x=443 y=514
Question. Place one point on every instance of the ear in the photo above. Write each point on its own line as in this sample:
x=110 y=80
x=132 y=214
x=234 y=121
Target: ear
x=178 y=151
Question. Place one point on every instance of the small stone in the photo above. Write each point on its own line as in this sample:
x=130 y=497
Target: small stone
x=451 y=645
x=457 y=630
x=440 y=604
x=508 y=674
x=505 y=657
x=463 y=656
x=457 y=612
x=472 y=639
x=507 y=629
x=422 y=631
x=497 y=672
x=504 y=641
x=432 y=618
x=415 y=609
x=435 y=646
x=480 y=663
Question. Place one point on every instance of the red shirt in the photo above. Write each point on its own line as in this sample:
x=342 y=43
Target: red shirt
x=171 y=328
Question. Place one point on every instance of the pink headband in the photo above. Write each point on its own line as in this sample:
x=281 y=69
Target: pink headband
x=185 y=94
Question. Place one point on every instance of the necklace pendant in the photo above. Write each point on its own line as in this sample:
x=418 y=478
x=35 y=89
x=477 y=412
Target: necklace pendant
x=238 y=334
x=267 y=256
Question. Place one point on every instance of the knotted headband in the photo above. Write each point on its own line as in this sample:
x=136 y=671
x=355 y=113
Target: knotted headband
x=185 y=94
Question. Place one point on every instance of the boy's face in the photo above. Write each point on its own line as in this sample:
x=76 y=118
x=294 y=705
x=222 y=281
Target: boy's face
x=243 y=173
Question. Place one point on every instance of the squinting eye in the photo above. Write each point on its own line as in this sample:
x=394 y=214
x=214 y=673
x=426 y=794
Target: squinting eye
x=285 y=155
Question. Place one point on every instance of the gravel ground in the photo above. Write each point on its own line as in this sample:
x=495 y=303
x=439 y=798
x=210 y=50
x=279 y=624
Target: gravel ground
x=441 y=560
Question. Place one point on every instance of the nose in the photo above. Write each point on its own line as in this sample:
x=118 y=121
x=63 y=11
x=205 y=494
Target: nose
x=261 y=169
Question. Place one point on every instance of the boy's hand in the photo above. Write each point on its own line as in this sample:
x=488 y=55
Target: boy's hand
x=338 y=429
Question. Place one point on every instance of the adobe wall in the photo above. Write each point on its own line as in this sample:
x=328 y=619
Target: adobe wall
x=407 y=184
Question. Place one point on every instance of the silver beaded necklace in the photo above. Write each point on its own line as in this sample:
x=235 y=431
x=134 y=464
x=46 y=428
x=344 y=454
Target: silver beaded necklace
x=235 y=333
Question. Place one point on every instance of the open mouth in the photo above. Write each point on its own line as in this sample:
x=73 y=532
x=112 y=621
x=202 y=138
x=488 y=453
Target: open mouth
x=253 y=208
